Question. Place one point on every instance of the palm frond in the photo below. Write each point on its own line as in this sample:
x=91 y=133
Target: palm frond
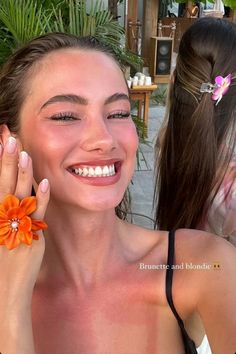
x=96 y=21
x=23 y=19
x=6 y=44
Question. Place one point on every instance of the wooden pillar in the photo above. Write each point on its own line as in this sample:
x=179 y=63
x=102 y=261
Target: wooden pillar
x=233 y=15
x=189 y=8
x=150 y=19
x=132 y=10
x=131 y=26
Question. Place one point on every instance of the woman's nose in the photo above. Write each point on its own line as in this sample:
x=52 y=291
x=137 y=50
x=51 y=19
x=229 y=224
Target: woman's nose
x=98 y=136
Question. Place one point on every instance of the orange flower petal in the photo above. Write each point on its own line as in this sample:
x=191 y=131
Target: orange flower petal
x=4 y=237
x=35 y=236
x=10 y=201
x=4 y=229
x=12 y=241
x=38 y=225
x=3 y=214
x=25 y=224
x=15 y=213
x=4 y=223
x=25 y=237
x=28 y=205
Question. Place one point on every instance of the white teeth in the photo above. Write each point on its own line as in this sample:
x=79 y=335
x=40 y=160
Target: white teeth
x=84 y=171
x=91 y=172
x=98 y=171
x=105 y=171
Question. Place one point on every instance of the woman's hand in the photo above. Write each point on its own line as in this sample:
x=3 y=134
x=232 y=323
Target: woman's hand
x=19 y=267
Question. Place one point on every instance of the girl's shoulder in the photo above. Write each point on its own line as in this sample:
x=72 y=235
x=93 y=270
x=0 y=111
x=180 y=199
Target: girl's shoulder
x=198 y=249
x=209 y=262
x=201 y=245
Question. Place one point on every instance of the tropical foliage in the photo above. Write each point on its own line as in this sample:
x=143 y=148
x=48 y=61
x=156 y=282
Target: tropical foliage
x=21 y=20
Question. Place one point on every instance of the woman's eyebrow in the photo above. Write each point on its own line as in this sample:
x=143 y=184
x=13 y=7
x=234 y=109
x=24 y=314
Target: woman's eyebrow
x=81 y=100
x=65 y=98
x=116 y=97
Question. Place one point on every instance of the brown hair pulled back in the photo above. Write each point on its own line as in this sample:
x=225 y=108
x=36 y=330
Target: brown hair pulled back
x=192 y=159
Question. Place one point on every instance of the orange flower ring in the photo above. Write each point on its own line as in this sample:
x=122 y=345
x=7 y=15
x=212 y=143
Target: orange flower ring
x=15 y=224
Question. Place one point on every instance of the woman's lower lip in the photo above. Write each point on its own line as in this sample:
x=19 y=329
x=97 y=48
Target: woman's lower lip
x=99 y=181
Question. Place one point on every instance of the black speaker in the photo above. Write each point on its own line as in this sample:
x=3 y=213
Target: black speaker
x=161 y=57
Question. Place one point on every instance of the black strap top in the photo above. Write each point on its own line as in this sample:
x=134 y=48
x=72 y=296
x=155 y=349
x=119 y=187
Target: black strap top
x=189 y=345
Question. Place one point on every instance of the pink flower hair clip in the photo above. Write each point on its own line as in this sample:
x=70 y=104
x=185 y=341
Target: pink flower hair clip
x=219 y=89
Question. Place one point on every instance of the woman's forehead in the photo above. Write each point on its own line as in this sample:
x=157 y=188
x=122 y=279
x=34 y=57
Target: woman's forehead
x=77 y=64
x=79 y=59
x=85 y=73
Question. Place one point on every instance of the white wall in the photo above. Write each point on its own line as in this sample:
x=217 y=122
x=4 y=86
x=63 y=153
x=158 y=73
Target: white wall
x=88 y=3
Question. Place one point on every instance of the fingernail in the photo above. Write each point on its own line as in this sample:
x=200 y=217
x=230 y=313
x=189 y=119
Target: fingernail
x=24 y=159
x=44 y=185
x=11 y=145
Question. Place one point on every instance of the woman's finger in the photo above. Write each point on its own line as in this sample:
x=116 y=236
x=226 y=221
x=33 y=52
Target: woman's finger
x=9 y=168
x=25 y=176
x=42 y=195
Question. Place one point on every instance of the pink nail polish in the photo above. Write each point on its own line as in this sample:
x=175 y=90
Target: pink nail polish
x=11 y=145
x=44 y=185
x=24 y=159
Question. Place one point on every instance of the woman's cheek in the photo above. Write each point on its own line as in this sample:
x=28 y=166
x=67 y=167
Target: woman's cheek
x=128 y=135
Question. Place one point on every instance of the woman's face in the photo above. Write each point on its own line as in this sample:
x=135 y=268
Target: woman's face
x=76 y=126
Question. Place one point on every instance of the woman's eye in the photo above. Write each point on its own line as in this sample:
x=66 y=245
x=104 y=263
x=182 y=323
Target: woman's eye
x=64 y=117
x=119 y=115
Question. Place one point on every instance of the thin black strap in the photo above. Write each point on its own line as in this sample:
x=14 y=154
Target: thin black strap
x=189 y=345
x=169 y=276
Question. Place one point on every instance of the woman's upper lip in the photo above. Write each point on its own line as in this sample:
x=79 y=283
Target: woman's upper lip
x=96 y=162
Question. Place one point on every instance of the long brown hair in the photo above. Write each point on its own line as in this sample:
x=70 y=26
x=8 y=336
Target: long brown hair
x=19 y=67
x=199 y=137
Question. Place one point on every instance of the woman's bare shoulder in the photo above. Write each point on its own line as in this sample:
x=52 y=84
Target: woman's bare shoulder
x=199 y=249
x=213 y=264
x=201 y=244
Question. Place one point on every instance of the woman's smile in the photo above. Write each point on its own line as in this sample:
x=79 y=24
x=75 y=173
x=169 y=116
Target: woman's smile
x=99 y=173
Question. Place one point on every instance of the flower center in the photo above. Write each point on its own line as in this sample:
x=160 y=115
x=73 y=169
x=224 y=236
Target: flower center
x=14 y=224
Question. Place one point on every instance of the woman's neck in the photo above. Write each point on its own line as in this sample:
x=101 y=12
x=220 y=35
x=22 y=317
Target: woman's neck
x=81 y=246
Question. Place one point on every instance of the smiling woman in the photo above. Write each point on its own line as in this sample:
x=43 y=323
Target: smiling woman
x=65 y=120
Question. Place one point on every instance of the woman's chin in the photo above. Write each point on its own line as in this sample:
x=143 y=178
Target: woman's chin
x=101 y=205
x=93 y=202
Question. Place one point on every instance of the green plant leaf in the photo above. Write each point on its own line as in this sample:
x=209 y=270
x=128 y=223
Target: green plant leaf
x=230 y=3
x=23 y=19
